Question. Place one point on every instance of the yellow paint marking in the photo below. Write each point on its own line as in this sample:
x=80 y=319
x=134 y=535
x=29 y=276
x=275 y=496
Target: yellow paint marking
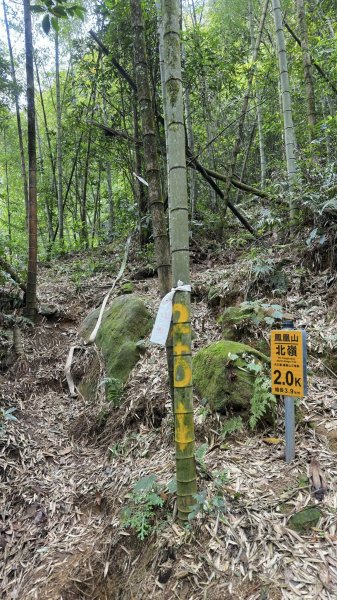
x=180 y=328
x=181 y=409
x=184 y=313
x=183 y=431
x=180 y=348
x=182 y=372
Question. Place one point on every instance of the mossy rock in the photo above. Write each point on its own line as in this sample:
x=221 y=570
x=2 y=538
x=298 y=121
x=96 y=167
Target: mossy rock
x=218 y=296
x=237 y=322
x=226 y=384
x=304 y=520
x=124 y=324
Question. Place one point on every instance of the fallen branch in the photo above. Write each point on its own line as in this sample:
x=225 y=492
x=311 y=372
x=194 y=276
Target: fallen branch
x=115 y=133
x=238 y=184
x=119 y=275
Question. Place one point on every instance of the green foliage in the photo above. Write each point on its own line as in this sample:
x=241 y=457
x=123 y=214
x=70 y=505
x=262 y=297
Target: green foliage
x=200 y=454
x=143 y=502
x=262 y=312
x=113 y=389
x=231 y=426
x=263 y=402
x=208 y=504
x=53 y=10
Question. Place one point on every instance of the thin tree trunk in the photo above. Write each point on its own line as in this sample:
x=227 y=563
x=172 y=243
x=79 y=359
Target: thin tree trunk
x=178 y=202
x=9 y=221
x=142 y=200
x=42 y=179
x=30 y=307
x=45 y=121
x=18 y=116
x=289 y=130
x=190 y=138
x=59 y=140
x=307 y=67
x=245 y=160
x=263 y=162
x=96 y=196
x=109 y=179
x=156 y=203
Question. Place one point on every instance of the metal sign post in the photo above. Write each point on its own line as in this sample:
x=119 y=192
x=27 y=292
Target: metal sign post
x=289 y=375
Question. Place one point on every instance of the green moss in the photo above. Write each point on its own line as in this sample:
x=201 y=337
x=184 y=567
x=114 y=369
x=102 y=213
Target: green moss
x=234 y=319
x=224 y=383
x=172 y=90
x=127 y=287
x=304 y=520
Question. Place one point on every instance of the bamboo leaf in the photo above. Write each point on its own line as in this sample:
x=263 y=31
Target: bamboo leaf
x=46 y=24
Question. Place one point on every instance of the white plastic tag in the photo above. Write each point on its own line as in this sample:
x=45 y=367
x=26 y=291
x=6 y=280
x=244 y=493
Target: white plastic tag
x=163 y=320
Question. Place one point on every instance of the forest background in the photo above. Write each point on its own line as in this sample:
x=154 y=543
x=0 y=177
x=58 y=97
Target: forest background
x=88 y=123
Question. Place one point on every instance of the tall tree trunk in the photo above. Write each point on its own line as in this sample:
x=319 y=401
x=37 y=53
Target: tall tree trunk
x=263 y=162
x=59 y=140
x=30 y=307
x=239 y=137
x=109 y=177
x=307 y=67
x=9 y=217
x=161 y=242
x=17 y=111
x=178 y=202
x=289 y=130
x=141 y=196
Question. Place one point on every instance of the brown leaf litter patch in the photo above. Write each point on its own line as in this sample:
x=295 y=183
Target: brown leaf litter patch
x=63 y=490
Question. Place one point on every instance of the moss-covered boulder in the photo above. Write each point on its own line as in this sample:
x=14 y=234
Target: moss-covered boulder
x=220 y=375
x=123 y=326
x=240 y=322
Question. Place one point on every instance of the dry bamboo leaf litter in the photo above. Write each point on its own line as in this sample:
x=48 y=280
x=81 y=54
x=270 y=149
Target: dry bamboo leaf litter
x=62 y=494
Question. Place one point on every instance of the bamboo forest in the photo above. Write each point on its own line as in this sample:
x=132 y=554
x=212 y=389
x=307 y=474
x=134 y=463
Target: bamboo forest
x=168 y=298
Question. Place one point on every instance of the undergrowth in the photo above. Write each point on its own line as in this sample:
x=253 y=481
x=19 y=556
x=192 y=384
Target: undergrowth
x=143 y=501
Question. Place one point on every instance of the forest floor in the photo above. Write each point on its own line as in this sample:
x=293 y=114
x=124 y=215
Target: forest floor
x=68 y=466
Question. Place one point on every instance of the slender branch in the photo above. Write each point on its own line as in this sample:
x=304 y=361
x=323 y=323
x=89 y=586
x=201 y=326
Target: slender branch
x=313 y=62
x=114 y=62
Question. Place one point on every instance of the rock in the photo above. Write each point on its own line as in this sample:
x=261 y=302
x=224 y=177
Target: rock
x=48 y=310
x=237 y=321
x=225 y=383
x=304 y=520
x=220 y=295
x=124 y=324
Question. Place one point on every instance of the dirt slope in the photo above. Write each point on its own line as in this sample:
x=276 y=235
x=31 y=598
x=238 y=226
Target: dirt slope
x=67 y=466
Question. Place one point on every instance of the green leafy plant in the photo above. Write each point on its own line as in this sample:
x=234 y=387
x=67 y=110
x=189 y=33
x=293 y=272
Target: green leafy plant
x=231 y=426
x=200 y=454
x=143 y=502
x=205 y=506
x=262 y=312
x=263 y=401
x=113 y=389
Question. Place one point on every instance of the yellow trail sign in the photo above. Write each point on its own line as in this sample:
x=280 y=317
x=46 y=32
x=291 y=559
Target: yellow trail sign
x=288 y=362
